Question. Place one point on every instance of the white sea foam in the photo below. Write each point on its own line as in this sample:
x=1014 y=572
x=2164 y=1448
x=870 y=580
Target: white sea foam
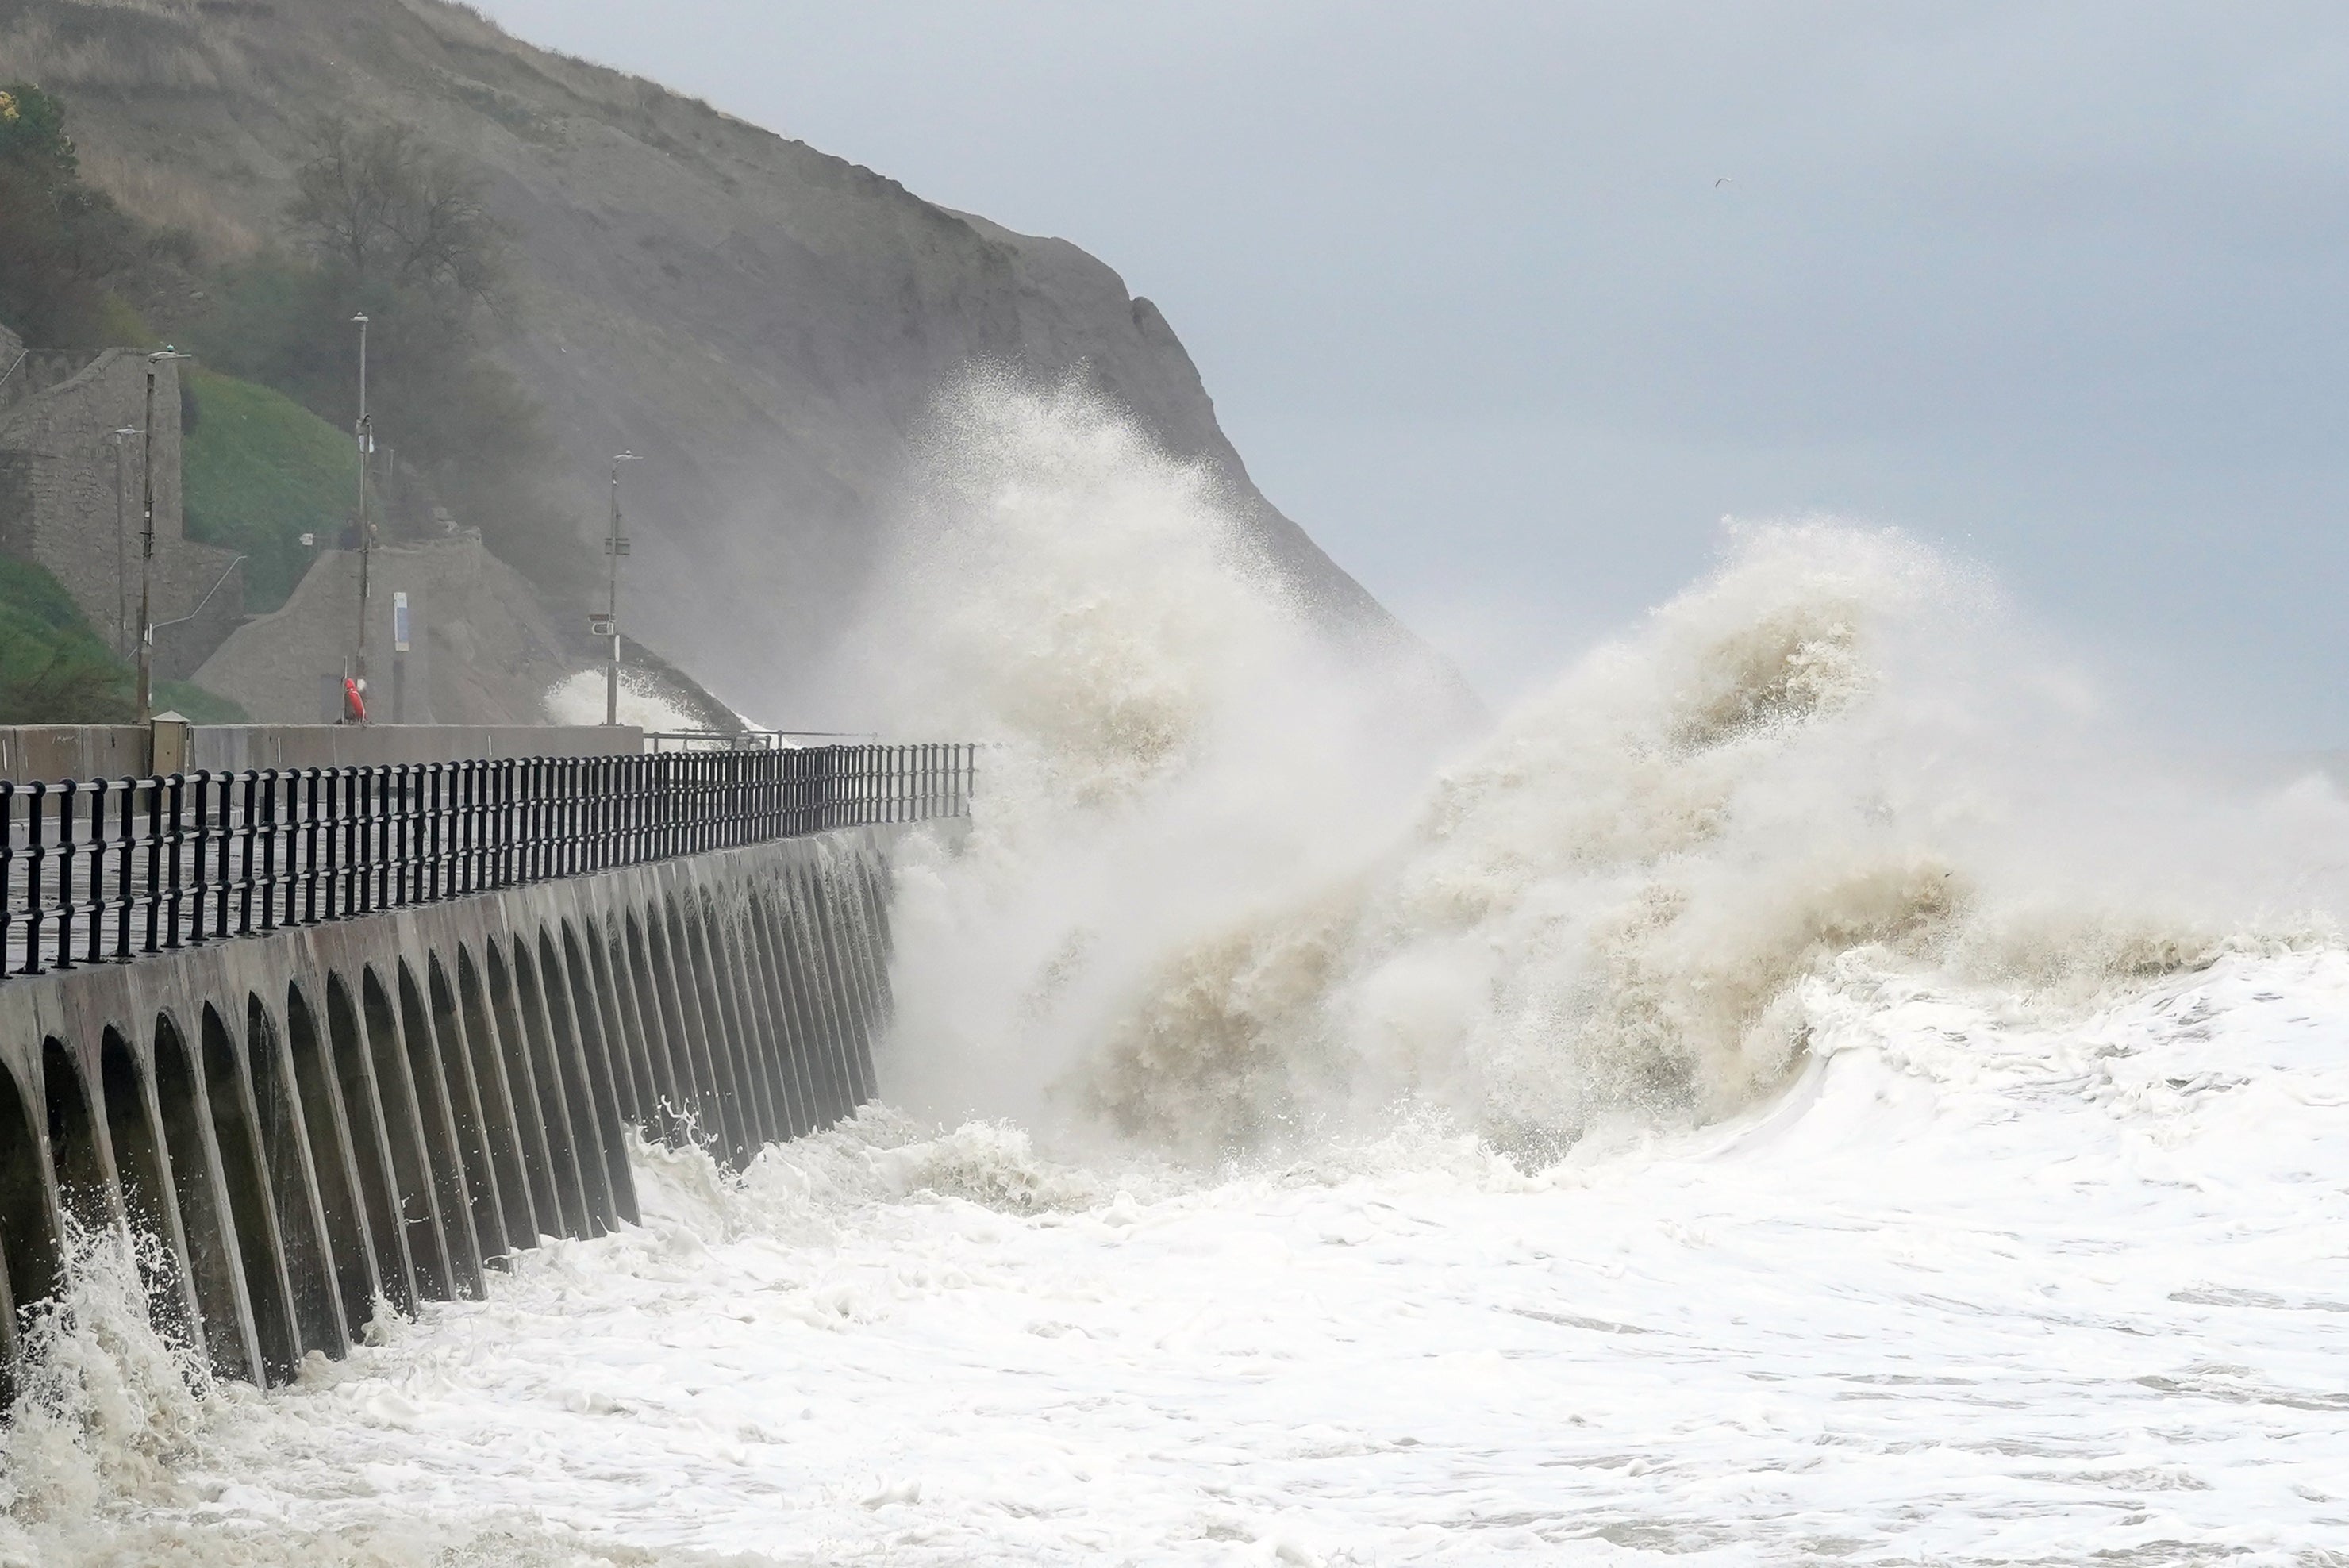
x=1795 y=1089
x=578 y=699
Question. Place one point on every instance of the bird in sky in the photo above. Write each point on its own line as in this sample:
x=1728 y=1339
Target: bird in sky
x=1722 y=180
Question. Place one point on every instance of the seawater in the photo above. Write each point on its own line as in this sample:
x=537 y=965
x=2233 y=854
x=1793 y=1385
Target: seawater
x=1797 y=1089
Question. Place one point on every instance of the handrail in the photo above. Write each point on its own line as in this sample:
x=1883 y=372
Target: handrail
x=746 y=739
x=207 y=599
x=107 y=871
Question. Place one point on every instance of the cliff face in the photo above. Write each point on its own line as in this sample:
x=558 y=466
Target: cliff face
x=765 y=323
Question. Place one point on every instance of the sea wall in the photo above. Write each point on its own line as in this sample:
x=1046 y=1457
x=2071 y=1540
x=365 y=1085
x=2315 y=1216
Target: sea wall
x=307 y=1124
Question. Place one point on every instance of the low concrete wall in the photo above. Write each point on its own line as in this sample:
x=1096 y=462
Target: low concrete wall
x=382 y=1109
x=237 y=747
x=45 y=753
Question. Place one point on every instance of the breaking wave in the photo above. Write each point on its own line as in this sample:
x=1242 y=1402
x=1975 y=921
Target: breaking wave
x=1220 y=897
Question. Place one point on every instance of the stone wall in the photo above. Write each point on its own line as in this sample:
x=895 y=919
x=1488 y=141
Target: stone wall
x=70 y=499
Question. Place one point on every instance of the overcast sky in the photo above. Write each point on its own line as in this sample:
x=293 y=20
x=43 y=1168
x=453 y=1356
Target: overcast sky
x=2062 y=285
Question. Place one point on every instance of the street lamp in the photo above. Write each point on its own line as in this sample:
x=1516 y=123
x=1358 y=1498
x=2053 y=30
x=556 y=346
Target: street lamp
x=363 y=435
x=614 y=547
x=164 y=356
x=121 y=546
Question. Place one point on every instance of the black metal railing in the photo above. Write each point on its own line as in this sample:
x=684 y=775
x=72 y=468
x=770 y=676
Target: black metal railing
x=109 y=870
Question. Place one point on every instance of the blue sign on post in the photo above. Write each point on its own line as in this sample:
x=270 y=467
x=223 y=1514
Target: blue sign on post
x=399 y=623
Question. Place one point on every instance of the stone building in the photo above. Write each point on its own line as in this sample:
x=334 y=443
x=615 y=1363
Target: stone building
x=70 y=499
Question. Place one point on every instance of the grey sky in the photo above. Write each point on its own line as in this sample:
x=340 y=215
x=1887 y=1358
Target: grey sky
x=2061 y=285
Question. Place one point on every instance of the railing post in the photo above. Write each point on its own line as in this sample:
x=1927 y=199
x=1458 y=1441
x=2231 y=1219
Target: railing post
x=94 y=903
x=35 y=854
x=267 y=828
x=461 y=812
x=66 y=794
x=224 y=836
x=174 y=806
x=576 y=808
x=154 y=859
x=64 y=875
x=410 y=888
x=607 y=808
x=251 y=829
x=393 y=778
x=371 y=782
x=363 y=796
x=664 y=803
x=320 y=845
x=439 y=776
x=354 y=847
x=7 y=867
x=510 y=855
x=197 y=887
x=122 y=897
x=627 y=778
x=538 y=835
x=735 y=826
x=477 y=825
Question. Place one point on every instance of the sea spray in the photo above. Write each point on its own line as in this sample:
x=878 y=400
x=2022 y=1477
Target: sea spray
x=1169 y=737
x=107 y=1406
x=1216 y=896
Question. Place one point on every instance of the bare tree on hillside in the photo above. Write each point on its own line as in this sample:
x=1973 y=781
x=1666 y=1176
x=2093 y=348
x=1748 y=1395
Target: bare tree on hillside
x=393 y=209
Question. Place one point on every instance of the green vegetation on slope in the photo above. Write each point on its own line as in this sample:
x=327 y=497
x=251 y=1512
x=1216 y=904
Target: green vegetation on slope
x=261 y=470
x=55 y=670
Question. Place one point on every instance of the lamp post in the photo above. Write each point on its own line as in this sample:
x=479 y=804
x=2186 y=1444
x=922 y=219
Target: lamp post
x=164 y=355
x=614 y=547
x=122 y=545
x=363 y=435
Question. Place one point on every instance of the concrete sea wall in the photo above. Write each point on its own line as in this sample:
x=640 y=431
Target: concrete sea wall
x=382 y=1110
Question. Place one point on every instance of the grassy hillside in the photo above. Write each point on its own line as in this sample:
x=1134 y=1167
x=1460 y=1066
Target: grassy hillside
x=261 y=470
x=55 y=670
